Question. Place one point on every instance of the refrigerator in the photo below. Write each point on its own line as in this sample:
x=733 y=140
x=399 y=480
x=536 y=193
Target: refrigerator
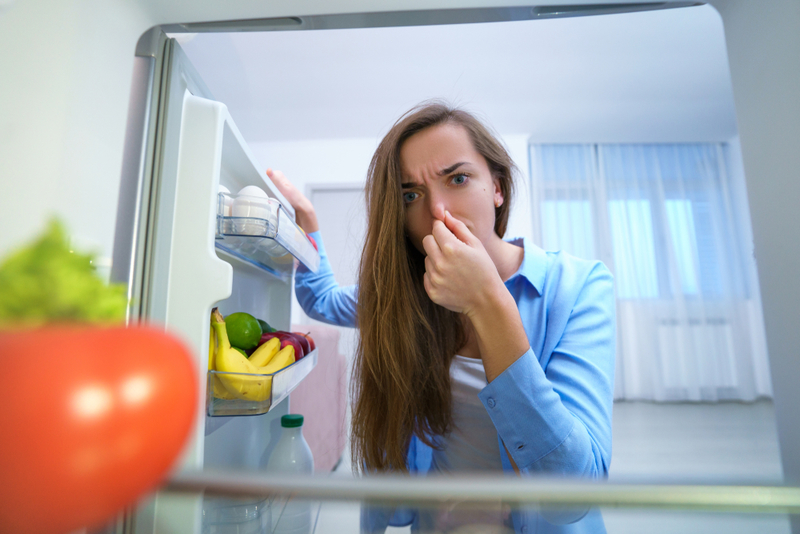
x=181 y=252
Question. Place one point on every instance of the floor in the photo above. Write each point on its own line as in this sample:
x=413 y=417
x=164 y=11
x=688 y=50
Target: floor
x=722 y=442
x=704 y=443
x=661 y=443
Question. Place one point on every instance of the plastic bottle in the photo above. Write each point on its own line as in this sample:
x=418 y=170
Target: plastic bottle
x=291 y=455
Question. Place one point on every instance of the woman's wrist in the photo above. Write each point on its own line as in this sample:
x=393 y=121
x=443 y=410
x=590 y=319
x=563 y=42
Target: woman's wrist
x=492 y=297
x=501 y=335
x=306 y=217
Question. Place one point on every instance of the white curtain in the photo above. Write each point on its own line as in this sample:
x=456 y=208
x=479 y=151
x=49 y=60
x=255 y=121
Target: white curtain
x=673 y=226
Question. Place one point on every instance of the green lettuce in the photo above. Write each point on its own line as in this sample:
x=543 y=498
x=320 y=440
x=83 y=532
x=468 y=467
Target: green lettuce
x=47 y=282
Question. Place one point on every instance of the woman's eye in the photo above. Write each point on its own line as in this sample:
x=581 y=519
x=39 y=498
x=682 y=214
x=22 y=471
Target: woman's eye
x=460 y=179
x=409 y=197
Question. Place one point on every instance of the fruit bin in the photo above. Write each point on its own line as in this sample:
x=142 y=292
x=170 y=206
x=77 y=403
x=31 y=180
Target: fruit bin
x=269 y=240
x=276 y=387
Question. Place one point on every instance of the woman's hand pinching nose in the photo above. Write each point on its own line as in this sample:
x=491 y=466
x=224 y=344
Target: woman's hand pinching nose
x=460 y=230
x=458 y=270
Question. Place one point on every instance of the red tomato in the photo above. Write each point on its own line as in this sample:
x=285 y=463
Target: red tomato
x=92 y=418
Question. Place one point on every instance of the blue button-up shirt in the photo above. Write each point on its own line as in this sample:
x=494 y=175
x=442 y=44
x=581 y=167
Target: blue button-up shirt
x=552 y=406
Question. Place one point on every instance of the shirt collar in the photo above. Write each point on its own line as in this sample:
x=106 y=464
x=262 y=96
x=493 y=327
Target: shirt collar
x=534 y=263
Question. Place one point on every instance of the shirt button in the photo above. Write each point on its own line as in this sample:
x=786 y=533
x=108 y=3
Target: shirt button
x=491 y=402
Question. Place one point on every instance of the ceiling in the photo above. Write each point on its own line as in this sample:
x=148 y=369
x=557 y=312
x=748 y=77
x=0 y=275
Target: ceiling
x=646 y=77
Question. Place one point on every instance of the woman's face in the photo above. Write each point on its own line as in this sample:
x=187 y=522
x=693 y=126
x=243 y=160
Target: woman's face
x=443 y=171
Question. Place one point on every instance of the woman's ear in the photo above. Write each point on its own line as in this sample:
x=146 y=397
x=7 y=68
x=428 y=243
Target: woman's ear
x=498 y=194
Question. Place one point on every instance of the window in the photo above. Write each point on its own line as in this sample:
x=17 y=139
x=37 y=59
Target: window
x=659 y=216
x=683 y=234
x=670 y=224
x=568 y=223
x=631 y=224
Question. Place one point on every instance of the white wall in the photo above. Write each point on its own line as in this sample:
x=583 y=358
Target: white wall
x=318 y=161
x=66 y=72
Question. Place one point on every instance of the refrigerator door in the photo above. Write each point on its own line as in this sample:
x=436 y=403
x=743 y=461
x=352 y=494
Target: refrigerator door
x=179 y=261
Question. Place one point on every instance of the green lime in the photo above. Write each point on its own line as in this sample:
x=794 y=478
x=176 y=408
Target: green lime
x=265 y=327
x=244 y=332
x=241 y=351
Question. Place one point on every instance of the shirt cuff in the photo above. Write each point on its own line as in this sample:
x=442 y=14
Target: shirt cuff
x=526 y=411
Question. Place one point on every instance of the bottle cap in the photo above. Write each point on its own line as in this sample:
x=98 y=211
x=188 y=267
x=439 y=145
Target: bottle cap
x=292 y=420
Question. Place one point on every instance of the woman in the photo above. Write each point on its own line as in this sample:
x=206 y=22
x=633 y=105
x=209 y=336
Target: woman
x=475 y=353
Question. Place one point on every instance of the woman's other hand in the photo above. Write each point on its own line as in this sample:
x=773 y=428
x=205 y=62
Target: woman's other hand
x=305 y=215
x=459 y=273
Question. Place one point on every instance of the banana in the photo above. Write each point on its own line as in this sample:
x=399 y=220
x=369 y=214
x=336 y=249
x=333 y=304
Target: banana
x=218 y=390
x=212 y=348
x=283 y=358
x=229 y=360
x=264 y=354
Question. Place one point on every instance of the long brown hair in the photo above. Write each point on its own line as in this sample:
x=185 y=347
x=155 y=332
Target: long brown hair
x=401 y=375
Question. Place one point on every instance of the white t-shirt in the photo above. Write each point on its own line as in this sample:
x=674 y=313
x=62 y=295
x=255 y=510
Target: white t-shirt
x=472 y=446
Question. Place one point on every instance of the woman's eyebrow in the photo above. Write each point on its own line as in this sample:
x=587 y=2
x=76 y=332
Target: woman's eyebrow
x=443 y=172
x=451 y=168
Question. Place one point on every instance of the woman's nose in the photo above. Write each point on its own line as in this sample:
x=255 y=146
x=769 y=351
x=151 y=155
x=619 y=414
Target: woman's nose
x=437 y=207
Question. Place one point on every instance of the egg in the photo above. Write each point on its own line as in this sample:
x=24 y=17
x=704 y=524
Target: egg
x=252 y=203
x=253 y=191
x=226 y=202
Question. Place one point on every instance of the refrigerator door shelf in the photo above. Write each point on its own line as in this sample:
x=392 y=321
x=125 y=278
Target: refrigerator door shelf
x=267 y=390
x=266 y=237
x=213 y=153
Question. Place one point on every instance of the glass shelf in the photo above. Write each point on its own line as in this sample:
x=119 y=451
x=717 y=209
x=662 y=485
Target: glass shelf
x=269 y=389
x=265 y=236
